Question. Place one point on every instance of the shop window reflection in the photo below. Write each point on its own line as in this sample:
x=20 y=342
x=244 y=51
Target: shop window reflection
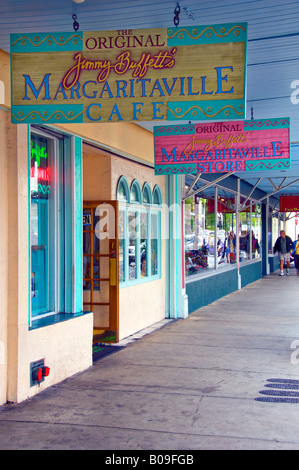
x=202 y=251
x=139 y=231
x=143 y=244
x=132 y=246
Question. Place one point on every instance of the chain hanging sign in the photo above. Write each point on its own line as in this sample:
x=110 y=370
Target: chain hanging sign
x=289 y=204
x=196 y=73
x=221 y=147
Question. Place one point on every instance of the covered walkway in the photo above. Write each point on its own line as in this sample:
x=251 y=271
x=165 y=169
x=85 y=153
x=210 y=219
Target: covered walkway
x=193 y=384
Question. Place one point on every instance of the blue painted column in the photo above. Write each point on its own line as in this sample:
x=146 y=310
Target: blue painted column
x=264 y=250
x=73 y=223
x=177 y=299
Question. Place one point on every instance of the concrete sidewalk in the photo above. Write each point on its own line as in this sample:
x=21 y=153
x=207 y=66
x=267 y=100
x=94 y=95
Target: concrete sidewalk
x=190 y=385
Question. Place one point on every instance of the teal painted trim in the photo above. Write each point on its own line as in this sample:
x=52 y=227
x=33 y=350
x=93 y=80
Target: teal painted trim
x=135 y=185
x=251 y=273
x=264 y=230
x=245 y=72
x=78 y=232
x=137 y=210
x=68 y=224
x=73 y=240
x=157 y=195
x=61 y=229
x=11 y=87
x=123 y=182
x=273 y=263
x=175 y=248
x=263 y=124
x=178 y=246
x=167 y=250
x=205 y=110
x=50 y=113
x=180 y=129
x=203 y=291
x=160 y=245
x=141 y=280
x=171 y=258
x=176 y=169
x=265 y=165
x=46 y=42
x=211 y=34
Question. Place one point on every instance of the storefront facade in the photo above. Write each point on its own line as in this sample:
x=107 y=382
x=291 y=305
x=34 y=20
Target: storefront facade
x=64 y=283
x=150 y=247
x=230 y=244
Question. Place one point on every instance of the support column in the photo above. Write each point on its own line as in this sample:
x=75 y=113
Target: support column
x=267 y=237
x=178 y=301
x=264 y=216
x=238 y=235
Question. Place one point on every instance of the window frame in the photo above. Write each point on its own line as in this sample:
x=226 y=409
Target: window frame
x=53 y=272
x=68 y=244
x=139 y=207
x=215 y=268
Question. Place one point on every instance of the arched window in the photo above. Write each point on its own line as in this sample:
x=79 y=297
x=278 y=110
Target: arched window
x=135 y=192
x=123 y=190
x=157 y=195
x=139 y=232
x=146 y=194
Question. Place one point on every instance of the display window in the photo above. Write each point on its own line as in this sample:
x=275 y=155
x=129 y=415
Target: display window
x=211 y=235
x=46 y=226
x=139 y=232
x=55 y=230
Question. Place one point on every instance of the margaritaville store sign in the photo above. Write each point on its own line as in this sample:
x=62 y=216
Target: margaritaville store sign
x=220 y=147
x=188 y=73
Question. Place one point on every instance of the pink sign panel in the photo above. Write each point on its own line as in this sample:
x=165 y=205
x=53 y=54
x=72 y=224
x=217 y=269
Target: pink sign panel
x=221 y=147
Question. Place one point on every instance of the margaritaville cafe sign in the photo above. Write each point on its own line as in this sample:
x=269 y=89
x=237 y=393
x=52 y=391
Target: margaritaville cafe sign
x=182 y=73
x=220 y=147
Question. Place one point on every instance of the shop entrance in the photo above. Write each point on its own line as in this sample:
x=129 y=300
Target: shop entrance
x=100 y=268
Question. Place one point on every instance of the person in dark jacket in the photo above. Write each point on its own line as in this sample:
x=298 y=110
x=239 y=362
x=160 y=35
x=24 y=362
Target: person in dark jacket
x=284 y=246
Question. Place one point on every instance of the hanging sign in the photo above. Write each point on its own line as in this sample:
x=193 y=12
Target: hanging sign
x=178 y=73
x=227 y=205
x=221 y=147
x=289 y=203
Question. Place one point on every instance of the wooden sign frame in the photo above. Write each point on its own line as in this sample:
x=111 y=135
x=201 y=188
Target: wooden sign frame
x=181 y=73
x=223 y=147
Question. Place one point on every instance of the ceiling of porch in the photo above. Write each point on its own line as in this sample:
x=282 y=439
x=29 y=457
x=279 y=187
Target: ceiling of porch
x=272 y=55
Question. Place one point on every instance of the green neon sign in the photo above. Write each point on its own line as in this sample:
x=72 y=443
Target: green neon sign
x=38 y=152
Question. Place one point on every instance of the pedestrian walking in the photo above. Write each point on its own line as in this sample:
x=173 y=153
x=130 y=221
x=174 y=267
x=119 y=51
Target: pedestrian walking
x=296 y=254
x=284 y=246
